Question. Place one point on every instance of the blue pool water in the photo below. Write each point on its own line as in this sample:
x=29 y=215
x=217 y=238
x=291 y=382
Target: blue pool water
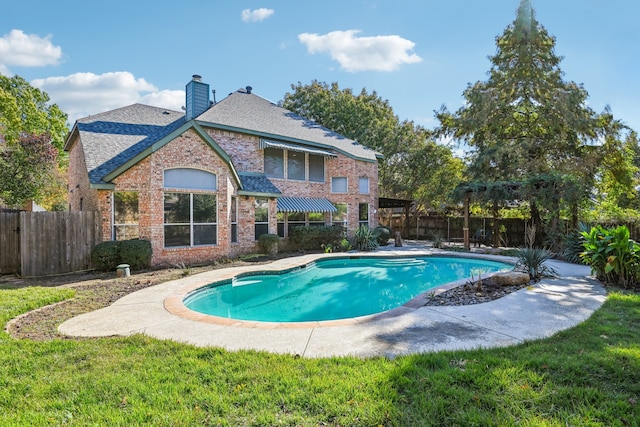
x=335 y=288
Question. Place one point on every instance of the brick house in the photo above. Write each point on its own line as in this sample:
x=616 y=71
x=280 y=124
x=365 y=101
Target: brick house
x=207 y=182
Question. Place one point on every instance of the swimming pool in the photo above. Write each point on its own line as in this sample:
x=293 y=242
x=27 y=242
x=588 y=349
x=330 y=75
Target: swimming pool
x=334 y=288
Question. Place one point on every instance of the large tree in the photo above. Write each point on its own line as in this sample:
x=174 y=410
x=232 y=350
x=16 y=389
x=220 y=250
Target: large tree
x=32 y=132
x=411 y=159
x=526 y=124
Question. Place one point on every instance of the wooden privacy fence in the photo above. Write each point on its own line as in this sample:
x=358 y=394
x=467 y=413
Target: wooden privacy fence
x=45 y=243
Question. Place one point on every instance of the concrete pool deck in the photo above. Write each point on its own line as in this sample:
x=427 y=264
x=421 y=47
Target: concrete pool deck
x=540 y=311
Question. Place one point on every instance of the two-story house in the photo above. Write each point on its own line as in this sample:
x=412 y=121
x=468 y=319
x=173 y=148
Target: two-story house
x=206 y=182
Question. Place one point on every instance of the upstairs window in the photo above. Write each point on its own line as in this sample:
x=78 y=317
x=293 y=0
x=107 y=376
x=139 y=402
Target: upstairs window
x=339 y=184
x=363 y=185
x=274 y=162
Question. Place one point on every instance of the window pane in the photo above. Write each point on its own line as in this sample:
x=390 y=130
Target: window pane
x=176 y=235
x=125 y=207
x=340 y=214
x=316 y=168
x=204 y=235
x=295 y=165
x=234 y=233
x=262 y=210
x=316 y=217
x=339 y=185
x=126 y=232
x=274 y=162
x=204 y=208
x=234 y=209
x=177 y=208
x=363 y=185
x=281 y=229
x=363 y=211
x=190 y=179
x=261 y=229
x=295 y=216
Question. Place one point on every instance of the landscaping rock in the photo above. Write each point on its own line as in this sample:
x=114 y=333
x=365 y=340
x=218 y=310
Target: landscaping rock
x=510 y=278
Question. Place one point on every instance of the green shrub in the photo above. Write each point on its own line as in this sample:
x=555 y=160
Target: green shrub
x=137 y=253
x=365 y=239
x=316 y=238
x=533 y=261
x=614 y=258
x=572 y=245
x=384 y=234
x=268 y=244
x=106 y=256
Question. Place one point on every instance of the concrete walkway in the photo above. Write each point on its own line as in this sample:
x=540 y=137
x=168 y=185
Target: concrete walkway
x=550 y=306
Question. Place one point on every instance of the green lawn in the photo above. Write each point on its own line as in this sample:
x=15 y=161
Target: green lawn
x=586 y=376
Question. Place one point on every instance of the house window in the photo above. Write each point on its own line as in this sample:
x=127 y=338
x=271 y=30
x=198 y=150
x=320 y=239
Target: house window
x=316 y=168
x=316 y=219
x=234 y=219
x=339 y=184
x=295 y=165
x=261 y=217
x=339 y=217
x=190 y=179
x=295 y=219
x=190 y=219
x=281 y=224
x=274 y=162
x=363 y=185
x=363 y=214
x=125 y=215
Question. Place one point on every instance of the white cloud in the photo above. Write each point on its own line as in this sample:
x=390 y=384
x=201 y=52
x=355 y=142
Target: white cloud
x=82 y=94
x=256 y=15
x=27 y=50
x=378 y=53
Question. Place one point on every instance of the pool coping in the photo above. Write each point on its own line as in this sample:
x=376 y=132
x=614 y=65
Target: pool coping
x=174 y=303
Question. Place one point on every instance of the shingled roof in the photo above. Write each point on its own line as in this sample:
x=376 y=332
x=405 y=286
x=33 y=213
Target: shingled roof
x=113 y=138
x=244 y=111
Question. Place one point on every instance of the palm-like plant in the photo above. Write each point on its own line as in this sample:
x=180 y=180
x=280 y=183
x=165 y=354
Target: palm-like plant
x=533 y=261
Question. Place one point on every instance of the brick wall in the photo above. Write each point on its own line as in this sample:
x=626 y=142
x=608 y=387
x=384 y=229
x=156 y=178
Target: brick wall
x=80 y=196
x=190 y=151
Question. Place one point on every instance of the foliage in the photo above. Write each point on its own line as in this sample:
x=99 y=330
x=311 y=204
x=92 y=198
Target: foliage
x=533 y=261
x=384 y=234
x=135 y=252
x=310 y=238
x=106 y=256
x=268 y=243
x=365 y=239
x=573 y=244
x=413 y=167
x=28 y=118
x=26 y=109
x=526 y=125
x=26 y=168
x=612 y=255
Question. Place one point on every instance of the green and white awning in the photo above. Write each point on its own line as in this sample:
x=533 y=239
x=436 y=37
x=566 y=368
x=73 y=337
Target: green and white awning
x=266 y=143
x=304 y=204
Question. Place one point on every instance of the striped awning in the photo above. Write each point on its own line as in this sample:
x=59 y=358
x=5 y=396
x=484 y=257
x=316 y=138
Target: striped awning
x=304 y=204
x=264 y=143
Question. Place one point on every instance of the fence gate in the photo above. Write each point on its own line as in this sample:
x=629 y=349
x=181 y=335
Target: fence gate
x=9 y=242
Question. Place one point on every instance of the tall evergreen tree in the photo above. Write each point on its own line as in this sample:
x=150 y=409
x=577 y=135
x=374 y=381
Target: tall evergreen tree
x=525 y=123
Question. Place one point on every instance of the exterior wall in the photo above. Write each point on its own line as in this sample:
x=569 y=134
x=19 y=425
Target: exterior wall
x=190 y=151
x=147 y=178
x=80 y=195
x=247 y=157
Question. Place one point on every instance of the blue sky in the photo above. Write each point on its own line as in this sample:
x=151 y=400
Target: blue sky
x=418 y=54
